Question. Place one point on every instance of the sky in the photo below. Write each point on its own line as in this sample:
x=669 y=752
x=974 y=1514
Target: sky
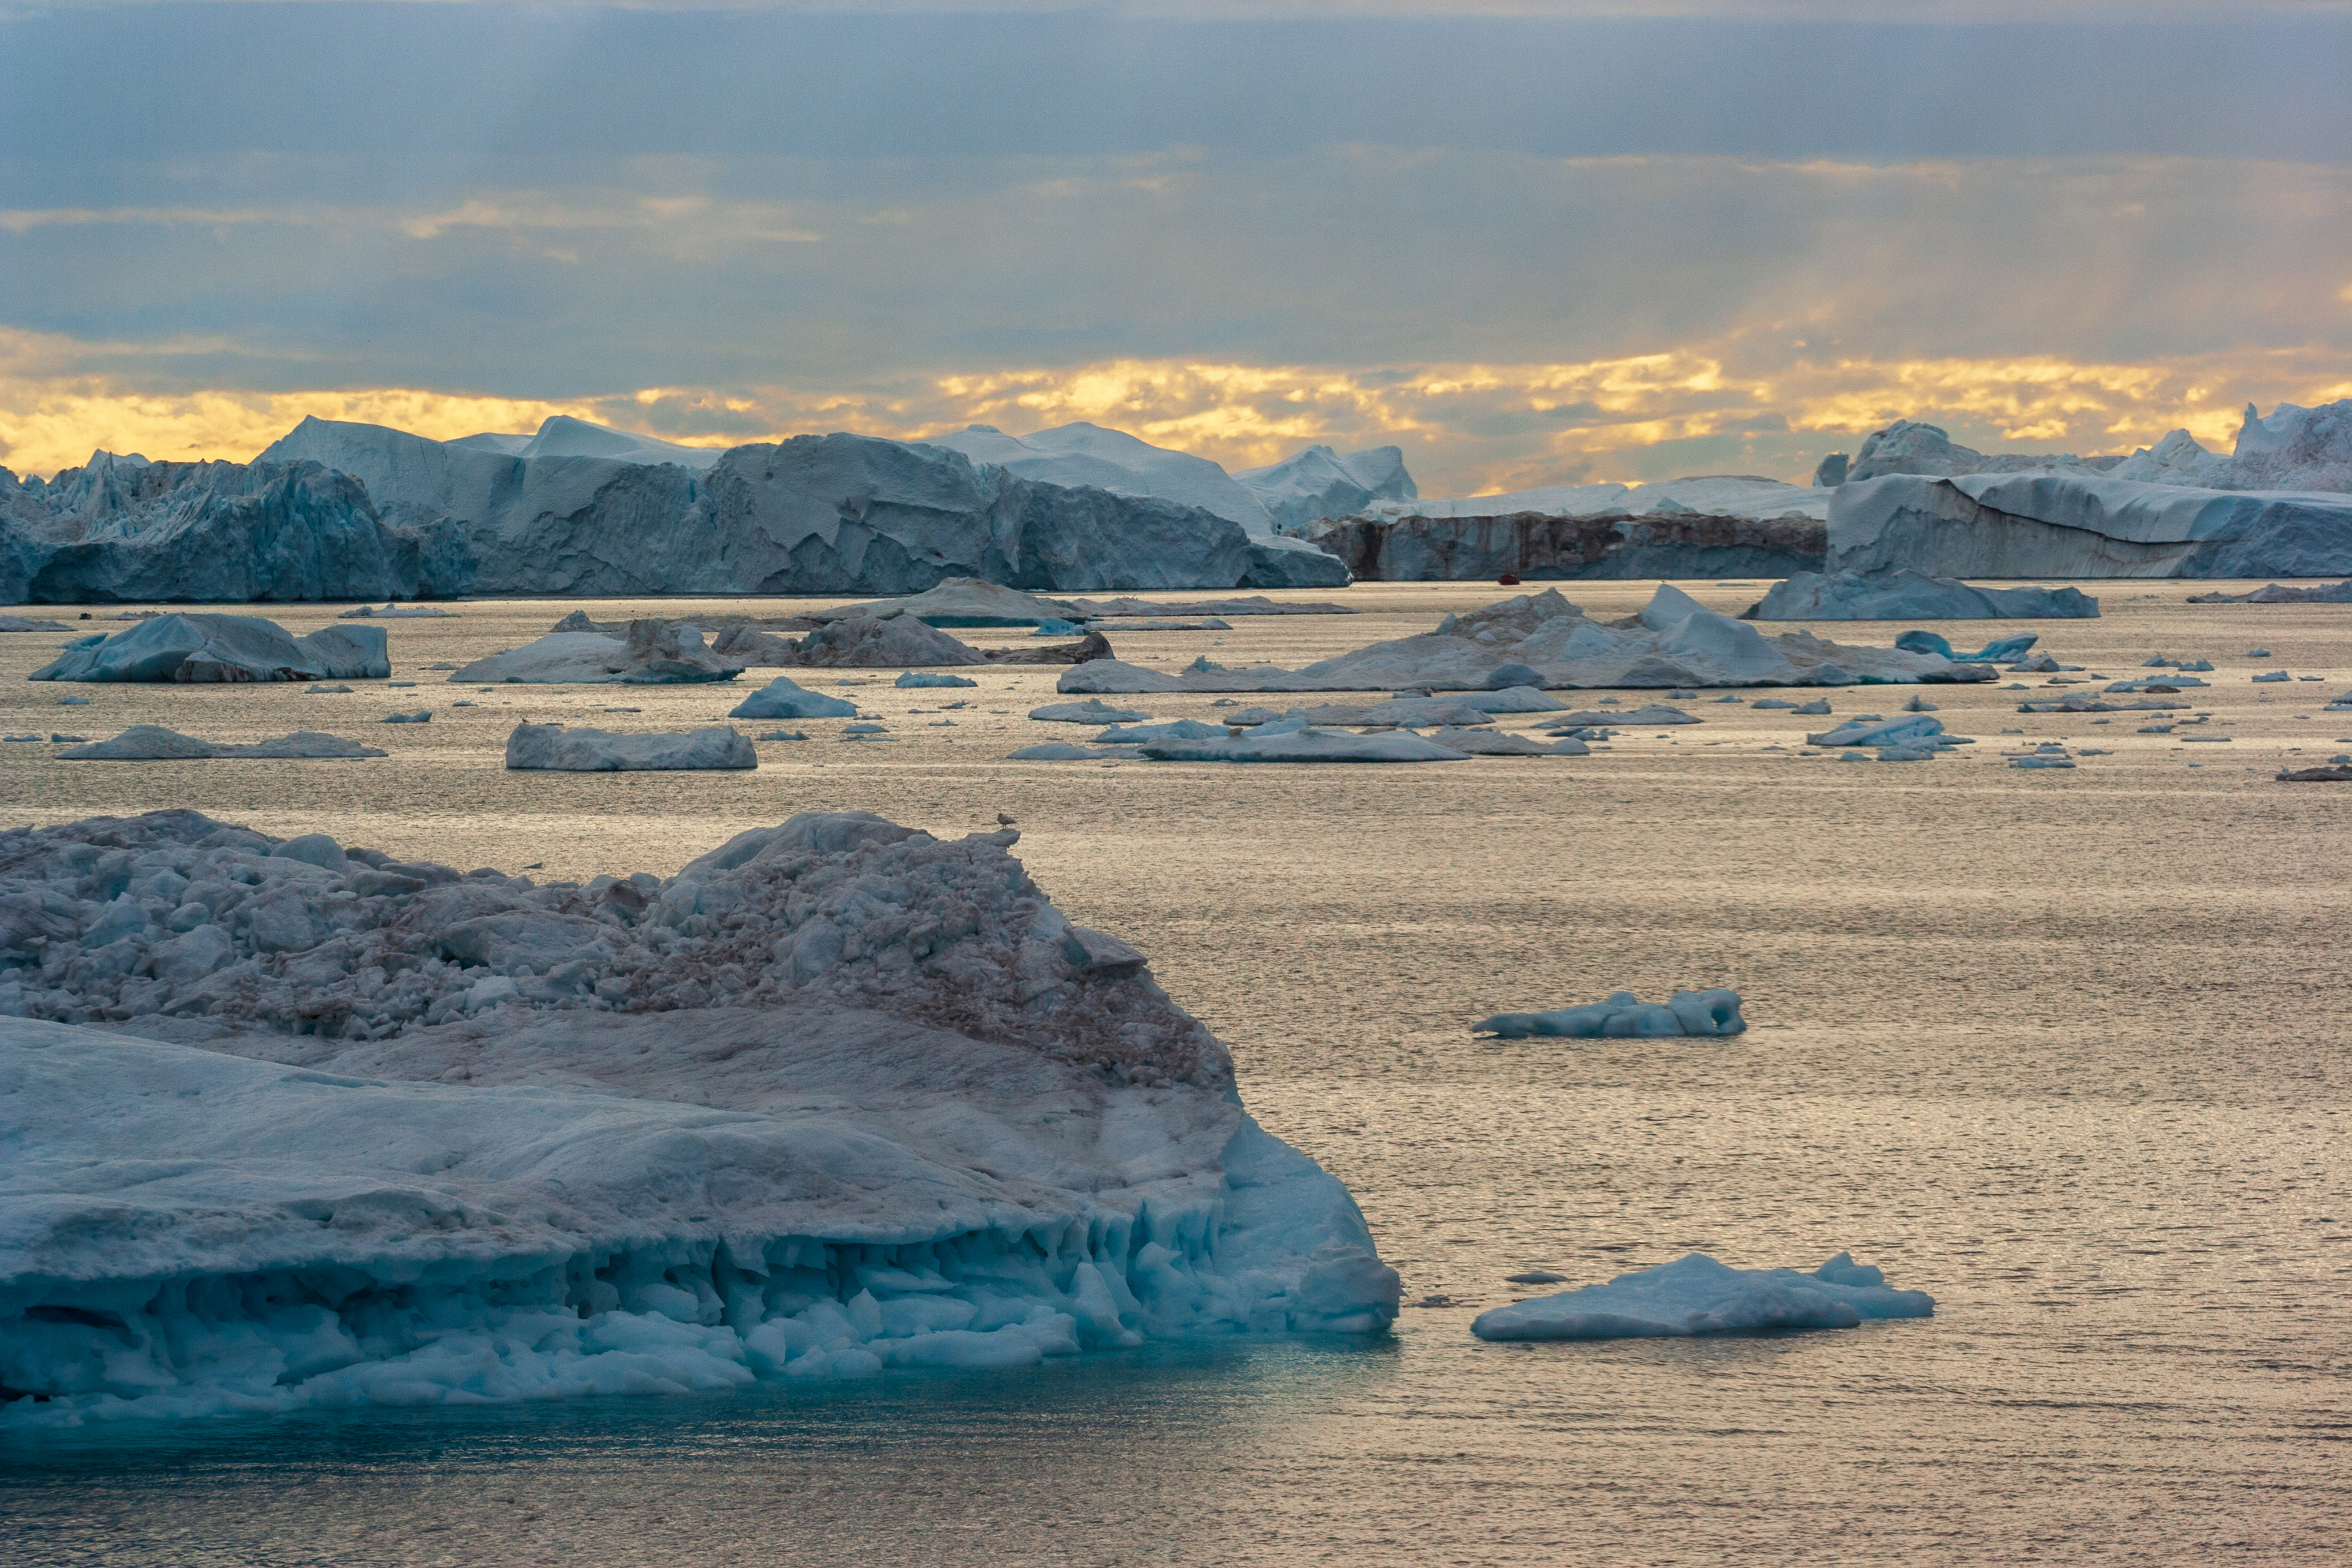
x=1531 y=243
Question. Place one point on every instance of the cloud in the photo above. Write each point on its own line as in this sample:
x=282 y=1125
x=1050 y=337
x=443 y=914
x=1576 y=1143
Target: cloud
x=1752 y=401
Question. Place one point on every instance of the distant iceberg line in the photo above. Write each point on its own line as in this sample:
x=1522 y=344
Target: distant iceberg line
x=838 y=1097
x=336 y=510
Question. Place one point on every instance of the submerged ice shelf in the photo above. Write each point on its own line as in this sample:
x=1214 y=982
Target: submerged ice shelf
x=294 y=1125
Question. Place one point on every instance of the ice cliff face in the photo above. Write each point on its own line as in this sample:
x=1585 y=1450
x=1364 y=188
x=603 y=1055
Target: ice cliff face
x=2049 y=524
x=338 y=511
x=1540 y=546
x=129 y=530
x=837 y=1096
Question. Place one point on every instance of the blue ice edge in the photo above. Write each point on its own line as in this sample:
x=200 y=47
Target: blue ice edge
x=333 y=1256
x=1697 y=1295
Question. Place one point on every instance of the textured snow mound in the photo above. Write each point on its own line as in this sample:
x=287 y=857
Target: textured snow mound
x=838 y=1096
x=226 y=648
x=881 y=641
x=551 y=748
x=1318 y=483
x=153 y=743
x=1905 y=595
x=1543 y=640
x=1707 y=1014
x=784 y=698
x=655 y=652
x=1698 y=1295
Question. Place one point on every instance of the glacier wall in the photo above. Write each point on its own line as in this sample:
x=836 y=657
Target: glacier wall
x=2047 y=524
x=349 y=511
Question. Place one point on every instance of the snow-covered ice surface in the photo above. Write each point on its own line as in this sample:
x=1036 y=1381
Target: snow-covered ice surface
x=203 y=648
x=1905 y=595
x=1317 y=484
x=1543 y=640
x=550 y=748
x=837 y=1096
x=1698 y=1295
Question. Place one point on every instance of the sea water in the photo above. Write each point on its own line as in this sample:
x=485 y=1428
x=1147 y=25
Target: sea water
x=2066 y=1048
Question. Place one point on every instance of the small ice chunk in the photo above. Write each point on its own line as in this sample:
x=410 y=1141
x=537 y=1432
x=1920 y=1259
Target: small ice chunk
x=1698 y=1295
x=932 y=678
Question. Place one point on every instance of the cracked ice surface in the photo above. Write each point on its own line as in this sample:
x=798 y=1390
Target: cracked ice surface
x=838 y=1096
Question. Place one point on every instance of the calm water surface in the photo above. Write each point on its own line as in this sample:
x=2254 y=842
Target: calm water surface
x=2068 y=1049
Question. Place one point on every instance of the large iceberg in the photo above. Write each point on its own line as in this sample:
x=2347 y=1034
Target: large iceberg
x=560 y=435
x=838 y=1096
x=2080 y=525
x=1543 y=640
x=1317 y=484
x=1698 y=1295
x=122 y=529
x=223 y=648
x=343 y=510
x=1905 y=595
x=1746 y=496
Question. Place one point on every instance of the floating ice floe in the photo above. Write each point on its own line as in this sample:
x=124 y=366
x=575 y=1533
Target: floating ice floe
x=2272 y=677
x=1656 y=717
x=1543 y=640
x=394 y=612
x=838 y=1096
x=785 y=698
x=1290 y=741
x=1173 y=729
x=1912 y=732
x=23 y=624
x=930 y=678
x=223 y=648
x=1698 y=1295
x=1905 y=595
x=1707 y=1014
x=552 y=748
x=1092 y=711
x=2333 y=773
x=422 y=715
x=153 y=743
